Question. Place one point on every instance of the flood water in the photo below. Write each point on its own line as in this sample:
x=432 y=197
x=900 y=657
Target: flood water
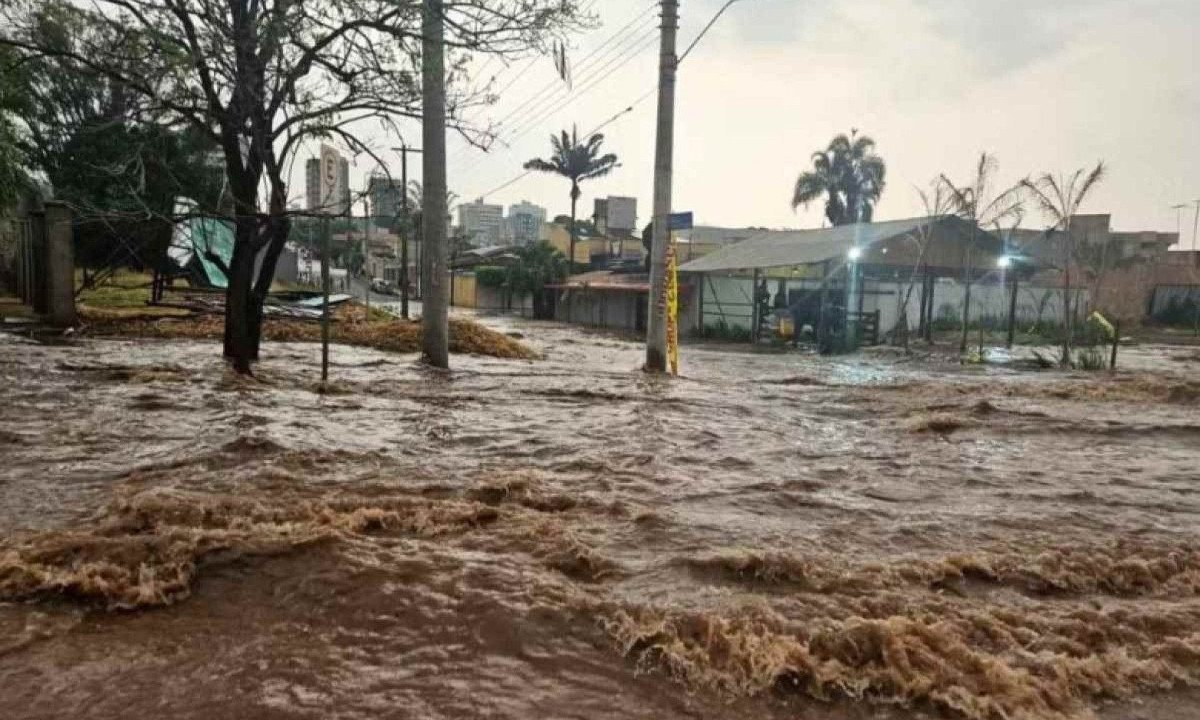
x=767 y=536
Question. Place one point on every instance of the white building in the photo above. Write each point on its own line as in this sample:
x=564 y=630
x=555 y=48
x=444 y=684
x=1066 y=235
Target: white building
x=312 y=186
x=525 y=220
x=615 y=216
x=481 y=223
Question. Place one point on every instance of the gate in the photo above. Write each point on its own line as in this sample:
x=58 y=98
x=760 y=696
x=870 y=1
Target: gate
x=29 y=261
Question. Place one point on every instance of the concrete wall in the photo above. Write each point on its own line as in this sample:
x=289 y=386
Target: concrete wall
x=606 y=309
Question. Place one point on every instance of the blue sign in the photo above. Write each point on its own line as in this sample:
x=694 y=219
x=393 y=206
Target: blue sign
x=681 y=221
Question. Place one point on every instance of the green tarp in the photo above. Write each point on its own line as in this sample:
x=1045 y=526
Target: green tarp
x=209 y=236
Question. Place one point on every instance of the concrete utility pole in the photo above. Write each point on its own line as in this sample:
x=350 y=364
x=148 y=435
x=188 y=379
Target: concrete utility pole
x=656 y=326
x=325 y=295
x=406 y=227
x=366 y=253
x=1195 y=227
x=436 y=298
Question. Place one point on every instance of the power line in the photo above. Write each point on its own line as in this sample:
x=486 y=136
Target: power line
x=527 y=66
x=587 y=135
x=553 y=88
x=586 y=66
x=591 y=82
x=705 y=30
x=646 y=95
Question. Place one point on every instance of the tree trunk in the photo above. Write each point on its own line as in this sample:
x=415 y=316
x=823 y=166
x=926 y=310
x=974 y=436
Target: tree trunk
x=966 y=313
x=574 y=199
x=241 y=344
x=1067 y=319
x=434 y=314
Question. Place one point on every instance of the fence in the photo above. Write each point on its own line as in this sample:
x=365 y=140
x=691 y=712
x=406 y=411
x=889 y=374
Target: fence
x=24 y=259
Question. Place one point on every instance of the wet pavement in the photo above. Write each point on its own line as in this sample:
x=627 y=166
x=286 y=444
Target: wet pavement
x=769 y=535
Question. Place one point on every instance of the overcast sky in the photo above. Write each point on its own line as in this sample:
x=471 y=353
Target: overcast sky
x=1042 y=85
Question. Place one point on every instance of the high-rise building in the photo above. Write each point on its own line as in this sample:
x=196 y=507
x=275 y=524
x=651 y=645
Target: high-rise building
x=312 y=184
x=385 y=197
x=343 y=205
x=312 y=187
x=525 y=221
x=481 y=222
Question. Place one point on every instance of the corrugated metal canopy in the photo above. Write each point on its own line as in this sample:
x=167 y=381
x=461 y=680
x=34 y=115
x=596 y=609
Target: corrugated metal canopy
x=787 y=248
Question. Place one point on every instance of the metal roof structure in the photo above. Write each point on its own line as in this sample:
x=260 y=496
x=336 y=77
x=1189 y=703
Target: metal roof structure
x=789 y=248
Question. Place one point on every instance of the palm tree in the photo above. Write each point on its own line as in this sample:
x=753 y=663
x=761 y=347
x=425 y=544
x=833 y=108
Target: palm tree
x=577 y=162
x=1059 y=199
x=850 y=176
x=973 y=204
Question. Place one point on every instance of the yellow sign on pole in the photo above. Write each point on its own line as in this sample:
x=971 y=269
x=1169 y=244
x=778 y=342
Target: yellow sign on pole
x=672 y=309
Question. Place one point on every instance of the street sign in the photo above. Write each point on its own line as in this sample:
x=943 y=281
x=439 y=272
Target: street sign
x=331 y=180
x=680 y=221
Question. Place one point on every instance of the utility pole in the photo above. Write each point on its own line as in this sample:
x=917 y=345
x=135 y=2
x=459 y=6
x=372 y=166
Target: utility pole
x=325 y=295
x=404 y=150
x=1179 y=223
x=1196 y=226
x=656 y=326
x=366 y=253
x=435 y=312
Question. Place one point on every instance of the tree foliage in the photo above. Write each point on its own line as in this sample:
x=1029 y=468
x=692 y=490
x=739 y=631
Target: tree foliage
x=578 y=162
x=976 y=203
x=261 y=78
x=1059 y=198
x=849 y=175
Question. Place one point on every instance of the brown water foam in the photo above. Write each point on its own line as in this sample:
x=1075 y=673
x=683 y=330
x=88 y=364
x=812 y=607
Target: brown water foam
x=750 y=544
x=1002 y=635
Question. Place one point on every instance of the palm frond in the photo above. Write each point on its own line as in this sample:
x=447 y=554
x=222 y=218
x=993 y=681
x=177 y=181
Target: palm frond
x=541 y=165
x=959 y=199
x=863 y=146
x=1097 y=174
x=809 y=187
x=1002 y=207
x=1043 y=199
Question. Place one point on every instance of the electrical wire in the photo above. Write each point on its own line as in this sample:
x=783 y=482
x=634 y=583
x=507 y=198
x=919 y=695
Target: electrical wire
x=632 y=105
x=550 y=91
x=591 y=82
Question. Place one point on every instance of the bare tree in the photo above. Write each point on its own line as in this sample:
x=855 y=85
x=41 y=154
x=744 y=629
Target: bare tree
x=262 y=78
x=975 y=204
x=1059 y=199
x=937 y=202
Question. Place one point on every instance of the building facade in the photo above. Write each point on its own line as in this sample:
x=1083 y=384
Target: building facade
x=385 y=199
x=615 y=216
x=525 y=221
x=481 y=223
x=312 y=187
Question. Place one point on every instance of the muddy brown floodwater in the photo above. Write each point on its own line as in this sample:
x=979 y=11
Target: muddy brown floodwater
x=769 y=536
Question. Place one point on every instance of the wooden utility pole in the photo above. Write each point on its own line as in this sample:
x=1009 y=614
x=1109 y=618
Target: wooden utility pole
x=435 y=312
x=656 y=326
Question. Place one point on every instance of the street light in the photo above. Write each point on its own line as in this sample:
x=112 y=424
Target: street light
x=1004 y=262
x=854 y=254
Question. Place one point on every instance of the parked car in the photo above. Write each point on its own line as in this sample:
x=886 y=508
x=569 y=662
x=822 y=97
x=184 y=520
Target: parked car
x=383 y=287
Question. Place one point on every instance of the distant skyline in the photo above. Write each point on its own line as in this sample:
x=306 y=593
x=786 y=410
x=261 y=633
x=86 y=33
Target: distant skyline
x=933 y=82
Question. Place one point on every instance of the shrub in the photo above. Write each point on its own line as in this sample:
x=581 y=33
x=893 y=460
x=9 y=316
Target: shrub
x=724 y=332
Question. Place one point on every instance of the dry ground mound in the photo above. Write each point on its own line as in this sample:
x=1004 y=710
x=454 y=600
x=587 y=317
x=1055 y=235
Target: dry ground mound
x=349 y=328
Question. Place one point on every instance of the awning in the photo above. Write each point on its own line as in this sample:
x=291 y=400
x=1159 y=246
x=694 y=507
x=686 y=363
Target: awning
x=791 y=248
